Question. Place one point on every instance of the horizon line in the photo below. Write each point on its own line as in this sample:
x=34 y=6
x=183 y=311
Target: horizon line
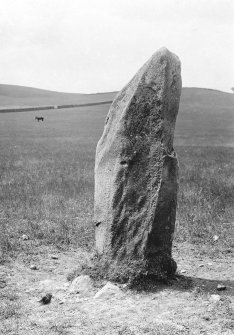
x=62 y=92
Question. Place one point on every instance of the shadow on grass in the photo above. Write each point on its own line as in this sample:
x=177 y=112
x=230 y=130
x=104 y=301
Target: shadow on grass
x=210 y=286
x=183 y=283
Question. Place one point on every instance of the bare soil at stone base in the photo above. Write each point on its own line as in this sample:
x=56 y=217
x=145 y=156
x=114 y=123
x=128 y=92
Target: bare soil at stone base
x=184 y=306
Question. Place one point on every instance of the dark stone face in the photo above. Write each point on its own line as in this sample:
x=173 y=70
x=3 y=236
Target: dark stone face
x=136 y=170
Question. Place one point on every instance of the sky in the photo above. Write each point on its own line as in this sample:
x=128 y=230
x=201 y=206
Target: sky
x=87 y=46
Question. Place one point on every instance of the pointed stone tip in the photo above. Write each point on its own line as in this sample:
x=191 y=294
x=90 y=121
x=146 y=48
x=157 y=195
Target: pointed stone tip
x=163 y=51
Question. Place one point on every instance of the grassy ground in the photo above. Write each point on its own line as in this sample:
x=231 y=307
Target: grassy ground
x=46 y=182
x=46 y=192
x=206 y=197
x=47 y=179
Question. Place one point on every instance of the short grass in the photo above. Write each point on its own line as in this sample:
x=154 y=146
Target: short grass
x=206 y=197
x=47 y=182
x=9 y=311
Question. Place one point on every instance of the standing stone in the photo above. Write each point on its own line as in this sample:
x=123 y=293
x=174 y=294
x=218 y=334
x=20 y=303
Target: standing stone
x=136 y=173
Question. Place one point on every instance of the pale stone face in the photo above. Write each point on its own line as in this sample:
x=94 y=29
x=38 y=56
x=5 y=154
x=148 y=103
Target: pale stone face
x=136 y=168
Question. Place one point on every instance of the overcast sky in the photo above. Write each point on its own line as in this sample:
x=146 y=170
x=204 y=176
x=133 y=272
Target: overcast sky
x=98 y=45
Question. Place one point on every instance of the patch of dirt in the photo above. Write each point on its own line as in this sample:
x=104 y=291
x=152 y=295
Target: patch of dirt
x=183 y=307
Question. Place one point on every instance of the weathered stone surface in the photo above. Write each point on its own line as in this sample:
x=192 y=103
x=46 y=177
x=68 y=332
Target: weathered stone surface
x=82 y=285
x=136 y=171
x=109 y=291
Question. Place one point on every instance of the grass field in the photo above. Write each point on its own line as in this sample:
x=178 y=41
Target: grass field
x=46 y=178
x=46 y=192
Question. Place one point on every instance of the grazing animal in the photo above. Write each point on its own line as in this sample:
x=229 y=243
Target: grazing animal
x=39 y=118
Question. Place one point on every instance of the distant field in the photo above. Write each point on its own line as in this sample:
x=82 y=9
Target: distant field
x=192 y=98
x=13 y=96
x=206 y=116
x=46 y=177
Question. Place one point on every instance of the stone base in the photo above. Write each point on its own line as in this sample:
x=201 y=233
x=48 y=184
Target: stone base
x=159 y=268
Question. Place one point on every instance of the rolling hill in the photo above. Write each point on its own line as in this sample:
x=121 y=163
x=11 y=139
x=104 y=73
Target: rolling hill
x=206 y=116
x=13 y=96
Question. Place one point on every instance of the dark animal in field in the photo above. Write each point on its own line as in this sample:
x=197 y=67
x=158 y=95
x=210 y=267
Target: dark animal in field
x=39 y=118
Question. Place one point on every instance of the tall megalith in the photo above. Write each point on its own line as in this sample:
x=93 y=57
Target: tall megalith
x=136 y=172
